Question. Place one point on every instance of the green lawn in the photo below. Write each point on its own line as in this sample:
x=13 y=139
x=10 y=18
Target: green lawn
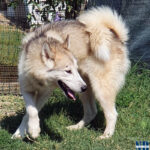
x=133 y=105
x=10 y=40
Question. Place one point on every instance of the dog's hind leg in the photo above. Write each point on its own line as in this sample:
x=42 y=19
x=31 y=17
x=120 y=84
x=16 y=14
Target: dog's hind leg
x=89 y=107
x=106 y=98
x=111 y=118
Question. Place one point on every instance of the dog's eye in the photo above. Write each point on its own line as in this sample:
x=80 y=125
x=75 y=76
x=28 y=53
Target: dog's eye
x=69 y=71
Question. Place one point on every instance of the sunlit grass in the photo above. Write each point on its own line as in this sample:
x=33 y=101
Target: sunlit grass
x=10 y=41
x=133 y=106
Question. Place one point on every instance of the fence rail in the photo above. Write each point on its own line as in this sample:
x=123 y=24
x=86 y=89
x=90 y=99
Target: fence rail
x=9 y=80
x=8 y=74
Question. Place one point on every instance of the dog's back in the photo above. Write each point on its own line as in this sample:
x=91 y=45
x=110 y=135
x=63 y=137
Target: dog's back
x=97 y=39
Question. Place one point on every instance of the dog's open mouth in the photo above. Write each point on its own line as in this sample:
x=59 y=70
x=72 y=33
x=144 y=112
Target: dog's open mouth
x=68 y=92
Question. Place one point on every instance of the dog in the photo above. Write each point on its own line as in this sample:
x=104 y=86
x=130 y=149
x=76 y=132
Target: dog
x=87 y=55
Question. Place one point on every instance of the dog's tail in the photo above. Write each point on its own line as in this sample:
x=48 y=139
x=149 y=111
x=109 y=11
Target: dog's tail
x=104 y=25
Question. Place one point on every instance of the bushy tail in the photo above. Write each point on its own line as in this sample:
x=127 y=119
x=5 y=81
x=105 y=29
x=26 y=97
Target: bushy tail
x=103 y=24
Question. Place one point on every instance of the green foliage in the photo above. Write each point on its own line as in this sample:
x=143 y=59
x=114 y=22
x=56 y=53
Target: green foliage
x=49 y=6
x=13 y=4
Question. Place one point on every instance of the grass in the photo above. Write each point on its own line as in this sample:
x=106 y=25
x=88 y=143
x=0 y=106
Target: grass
x=10 y=39
x=133 y=105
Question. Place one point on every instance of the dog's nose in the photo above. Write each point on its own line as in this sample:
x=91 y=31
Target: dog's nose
x=83 y=88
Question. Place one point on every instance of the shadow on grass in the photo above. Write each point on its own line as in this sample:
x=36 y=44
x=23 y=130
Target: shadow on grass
x=74 y=111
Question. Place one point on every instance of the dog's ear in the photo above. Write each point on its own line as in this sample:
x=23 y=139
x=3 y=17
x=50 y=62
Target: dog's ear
x=47 y=55
x=66 y=43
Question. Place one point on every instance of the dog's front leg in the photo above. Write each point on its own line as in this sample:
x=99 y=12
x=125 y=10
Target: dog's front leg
x=22 y=129
x=30 y=122
x=33 y=123
x=90 y=110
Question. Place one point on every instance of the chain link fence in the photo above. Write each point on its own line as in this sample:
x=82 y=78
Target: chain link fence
x=18 y=17
x=12 y=24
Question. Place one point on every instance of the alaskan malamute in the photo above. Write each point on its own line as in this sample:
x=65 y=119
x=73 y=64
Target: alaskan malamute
x=52 y=55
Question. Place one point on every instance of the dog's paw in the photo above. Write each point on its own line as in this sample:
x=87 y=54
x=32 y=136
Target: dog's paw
x=104 y=136
x=18 y=135
x=73 y=127
x=77 y=126
x=34 y=132
x=33 y=129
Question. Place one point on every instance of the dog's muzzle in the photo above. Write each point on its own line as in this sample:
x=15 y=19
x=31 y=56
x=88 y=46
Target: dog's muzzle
x=83 y=88
x=68 y=92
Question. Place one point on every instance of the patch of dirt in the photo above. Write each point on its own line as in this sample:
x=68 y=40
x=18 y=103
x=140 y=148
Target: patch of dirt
x=4 y=20
x=10 y=105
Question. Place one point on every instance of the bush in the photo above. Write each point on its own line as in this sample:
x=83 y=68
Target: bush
x=50 y=10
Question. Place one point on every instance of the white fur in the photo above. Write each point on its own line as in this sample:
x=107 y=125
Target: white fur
x=30 y=123
x=73 y=80
x=33 y=125
x=103 y=53
x=28 y=37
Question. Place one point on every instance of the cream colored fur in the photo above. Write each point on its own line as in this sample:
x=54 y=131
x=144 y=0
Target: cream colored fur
x=100 y=37
x=95 y=44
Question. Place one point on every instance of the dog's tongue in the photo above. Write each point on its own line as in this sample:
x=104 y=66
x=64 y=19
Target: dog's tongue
x=71 y=95
x=68 y=92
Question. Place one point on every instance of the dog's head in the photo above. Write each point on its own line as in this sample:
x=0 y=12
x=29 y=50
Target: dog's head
x=62 y=66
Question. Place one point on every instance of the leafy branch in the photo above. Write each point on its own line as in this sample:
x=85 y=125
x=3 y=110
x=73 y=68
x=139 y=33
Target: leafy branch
x=46 y=8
